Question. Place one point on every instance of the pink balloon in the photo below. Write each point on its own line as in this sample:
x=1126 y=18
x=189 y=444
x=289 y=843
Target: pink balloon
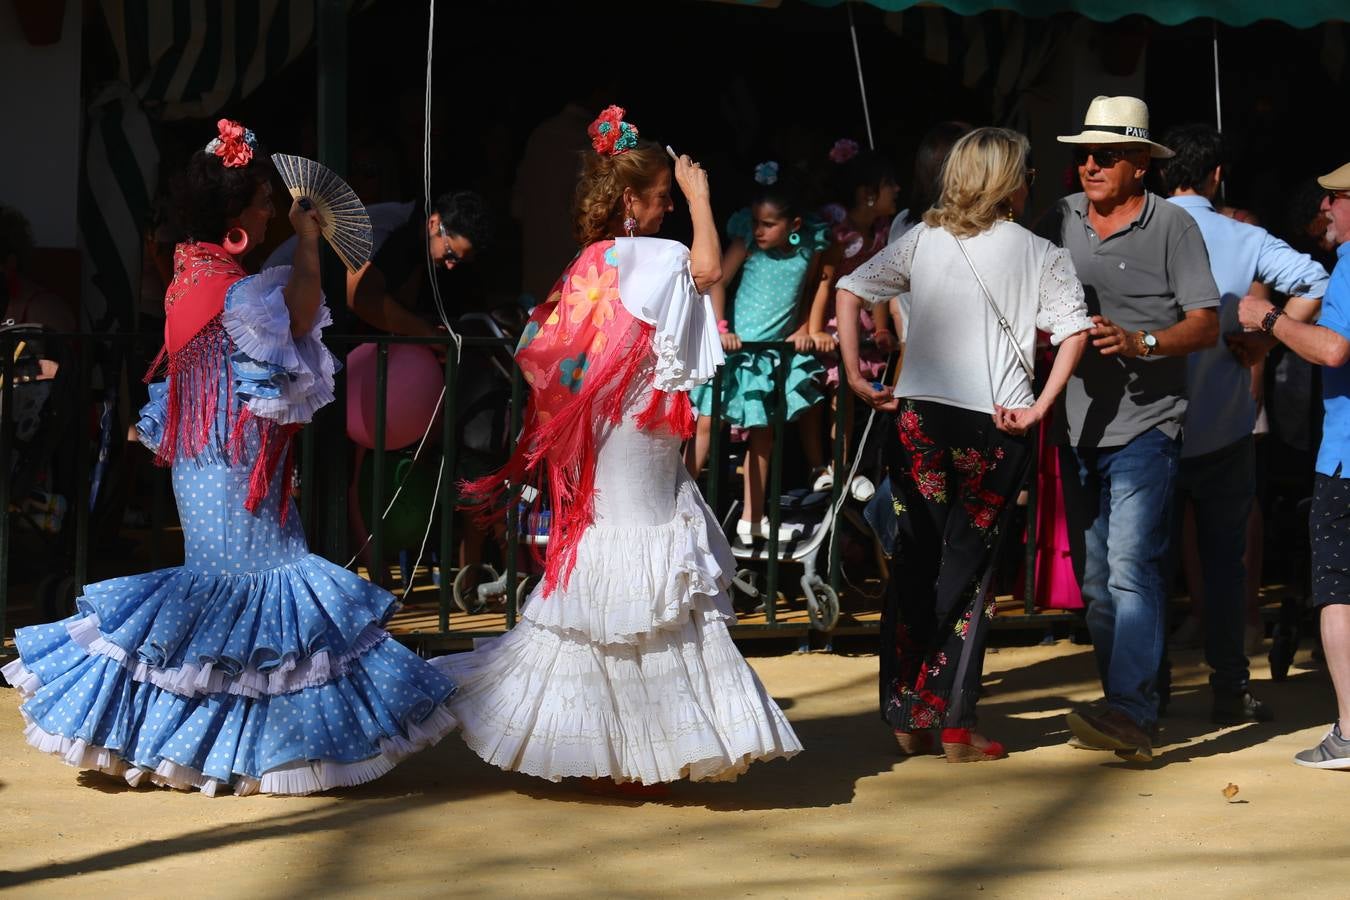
x=414 y=386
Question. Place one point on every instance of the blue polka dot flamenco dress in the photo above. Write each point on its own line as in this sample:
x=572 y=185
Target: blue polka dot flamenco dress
x=255 y=666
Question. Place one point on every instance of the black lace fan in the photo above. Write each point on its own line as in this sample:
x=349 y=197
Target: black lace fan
x=346 y=224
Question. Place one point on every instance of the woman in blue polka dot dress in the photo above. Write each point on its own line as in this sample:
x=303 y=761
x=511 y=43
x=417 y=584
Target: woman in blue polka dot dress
x=256 y=666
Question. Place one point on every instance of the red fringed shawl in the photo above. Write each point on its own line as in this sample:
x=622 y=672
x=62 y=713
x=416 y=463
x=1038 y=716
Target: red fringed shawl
x=580 y=353
x=196 y=347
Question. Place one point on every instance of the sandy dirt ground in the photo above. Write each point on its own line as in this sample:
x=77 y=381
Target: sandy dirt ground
x=847 y=818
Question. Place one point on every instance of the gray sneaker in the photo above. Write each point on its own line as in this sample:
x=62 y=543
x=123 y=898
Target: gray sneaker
x=1332 y=753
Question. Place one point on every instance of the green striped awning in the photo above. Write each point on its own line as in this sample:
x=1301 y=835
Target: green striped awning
x=1299 y=13
x=177 y=59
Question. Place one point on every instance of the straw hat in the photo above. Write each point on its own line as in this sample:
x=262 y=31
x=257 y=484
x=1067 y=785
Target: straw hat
x=1117 y=120
x=1338 y=180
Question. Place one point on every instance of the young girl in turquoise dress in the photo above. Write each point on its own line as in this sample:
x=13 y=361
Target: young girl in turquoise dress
x=780 y=258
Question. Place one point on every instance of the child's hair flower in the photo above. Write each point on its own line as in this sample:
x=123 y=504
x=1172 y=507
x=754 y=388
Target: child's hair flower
x=766 y=173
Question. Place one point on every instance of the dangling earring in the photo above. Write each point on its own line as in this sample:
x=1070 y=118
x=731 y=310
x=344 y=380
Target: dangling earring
x=1008 y=214
x=794 y=238
x=629 y=223
x=236 y=241
x=871 y=201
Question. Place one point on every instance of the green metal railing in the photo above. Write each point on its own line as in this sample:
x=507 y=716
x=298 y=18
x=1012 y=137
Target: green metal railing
x=319 y=500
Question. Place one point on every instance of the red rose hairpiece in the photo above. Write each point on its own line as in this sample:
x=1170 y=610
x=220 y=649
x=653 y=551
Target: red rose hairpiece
x=610 y=134
x=234 y=144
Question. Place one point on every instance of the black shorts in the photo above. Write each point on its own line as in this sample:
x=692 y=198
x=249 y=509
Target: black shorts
x=1329 y=534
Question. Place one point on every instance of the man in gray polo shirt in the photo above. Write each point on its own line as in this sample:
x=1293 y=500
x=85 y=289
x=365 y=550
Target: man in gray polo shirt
x=1146 y=275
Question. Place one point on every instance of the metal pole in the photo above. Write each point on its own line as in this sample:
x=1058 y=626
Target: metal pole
x=776 y=482
x=1033 y=503
x=332 y=483
x=449 y=490
x=862 y=86
x=82 y=443
x=6 y=463
x=843 y=408
x=714 y=462
x=512 y=517
x=377 y=476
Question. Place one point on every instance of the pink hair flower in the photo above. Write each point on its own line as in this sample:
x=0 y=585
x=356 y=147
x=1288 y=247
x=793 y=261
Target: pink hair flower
x=843 y=150
x=610 y=134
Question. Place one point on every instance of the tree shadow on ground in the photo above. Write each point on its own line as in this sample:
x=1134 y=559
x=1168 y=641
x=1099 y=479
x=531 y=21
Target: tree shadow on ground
x=1034 y=720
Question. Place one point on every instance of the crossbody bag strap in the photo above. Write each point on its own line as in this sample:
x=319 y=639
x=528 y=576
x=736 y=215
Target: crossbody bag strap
x=998 y=314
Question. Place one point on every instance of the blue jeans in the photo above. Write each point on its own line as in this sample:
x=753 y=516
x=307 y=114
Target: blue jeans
x=1119 y=499
x=1221 y=487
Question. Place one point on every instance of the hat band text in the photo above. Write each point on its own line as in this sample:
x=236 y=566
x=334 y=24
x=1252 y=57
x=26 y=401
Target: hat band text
x=1133 y=131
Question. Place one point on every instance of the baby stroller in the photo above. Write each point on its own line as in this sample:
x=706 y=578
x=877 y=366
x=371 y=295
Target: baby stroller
x=815 y=516
x=483 y=437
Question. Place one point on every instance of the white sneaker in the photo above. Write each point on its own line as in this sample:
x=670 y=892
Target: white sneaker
x=861 y=488
x=747 y=532
x=825 y=480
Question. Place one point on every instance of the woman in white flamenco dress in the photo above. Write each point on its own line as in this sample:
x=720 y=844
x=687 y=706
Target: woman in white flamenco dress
x=621 y=666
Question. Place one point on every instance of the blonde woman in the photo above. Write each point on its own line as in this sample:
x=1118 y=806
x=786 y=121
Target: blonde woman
x=981 y=285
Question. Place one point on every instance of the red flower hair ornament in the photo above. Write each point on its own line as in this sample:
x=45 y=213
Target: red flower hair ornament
x=610 y=134
x=234 y=144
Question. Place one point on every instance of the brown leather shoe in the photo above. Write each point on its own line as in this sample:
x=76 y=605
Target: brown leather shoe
x=1112 y=730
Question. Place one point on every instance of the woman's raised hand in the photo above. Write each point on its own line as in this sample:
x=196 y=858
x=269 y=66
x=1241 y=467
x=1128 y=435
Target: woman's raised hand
x=306 y=222
x=693 y=181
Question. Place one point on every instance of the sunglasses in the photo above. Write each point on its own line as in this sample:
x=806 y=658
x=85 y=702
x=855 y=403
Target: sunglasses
x=1333 y=196
x=1031 y=177
x=1106 y=157
x=451 y=258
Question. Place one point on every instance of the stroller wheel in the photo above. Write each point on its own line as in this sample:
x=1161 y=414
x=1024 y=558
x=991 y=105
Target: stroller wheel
x=467 y=596
x=57 y=595
x=822 y=607
x=527 y=584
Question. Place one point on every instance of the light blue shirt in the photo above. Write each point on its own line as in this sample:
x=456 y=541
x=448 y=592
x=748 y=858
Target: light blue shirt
x=1334 y=456
x=1221 y=409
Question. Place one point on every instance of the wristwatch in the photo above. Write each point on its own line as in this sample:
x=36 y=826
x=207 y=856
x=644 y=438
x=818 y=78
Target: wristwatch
x=1148 y=342
x=1268 y=323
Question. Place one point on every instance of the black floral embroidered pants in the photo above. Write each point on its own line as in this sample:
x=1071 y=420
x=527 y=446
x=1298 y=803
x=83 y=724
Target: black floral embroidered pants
x=954 y=476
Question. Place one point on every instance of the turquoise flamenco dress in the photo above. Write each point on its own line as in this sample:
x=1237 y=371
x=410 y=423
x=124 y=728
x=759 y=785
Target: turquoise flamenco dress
x=765 y=308
x=256 y=666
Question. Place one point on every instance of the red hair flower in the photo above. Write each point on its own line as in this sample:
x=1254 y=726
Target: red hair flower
x=610 y=134
x=234 y=144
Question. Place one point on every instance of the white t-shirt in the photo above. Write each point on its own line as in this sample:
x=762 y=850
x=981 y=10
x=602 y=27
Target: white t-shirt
x=956 y=352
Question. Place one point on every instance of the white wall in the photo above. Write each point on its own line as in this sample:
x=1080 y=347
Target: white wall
x=40 y=112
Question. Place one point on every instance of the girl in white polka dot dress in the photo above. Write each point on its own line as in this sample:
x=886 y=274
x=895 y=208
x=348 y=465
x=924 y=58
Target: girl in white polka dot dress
x=255 y=666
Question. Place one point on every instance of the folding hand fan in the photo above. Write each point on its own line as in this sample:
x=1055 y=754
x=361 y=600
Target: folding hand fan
x=346 y=224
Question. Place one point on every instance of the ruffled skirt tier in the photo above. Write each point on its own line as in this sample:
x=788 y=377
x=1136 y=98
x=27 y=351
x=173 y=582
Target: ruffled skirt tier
x=281 y=681
x=628 y=672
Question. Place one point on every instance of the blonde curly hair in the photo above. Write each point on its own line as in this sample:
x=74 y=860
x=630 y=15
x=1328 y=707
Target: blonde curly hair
x=981 y=172
x=599 y=199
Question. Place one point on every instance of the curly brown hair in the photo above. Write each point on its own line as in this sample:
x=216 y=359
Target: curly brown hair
x=599 y=197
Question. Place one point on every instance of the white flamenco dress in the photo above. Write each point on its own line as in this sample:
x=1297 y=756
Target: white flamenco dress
x=627 y=670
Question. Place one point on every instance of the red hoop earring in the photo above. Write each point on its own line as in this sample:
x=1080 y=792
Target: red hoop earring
x=236 y=241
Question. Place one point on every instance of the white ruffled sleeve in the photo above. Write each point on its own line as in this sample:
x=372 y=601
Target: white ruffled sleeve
x=1061 y=310
x=279 y=376
x=885 y=275
x=656 y=286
